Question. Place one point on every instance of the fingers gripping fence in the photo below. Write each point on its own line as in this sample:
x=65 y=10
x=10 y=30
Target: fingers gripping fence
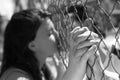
x=67 y=14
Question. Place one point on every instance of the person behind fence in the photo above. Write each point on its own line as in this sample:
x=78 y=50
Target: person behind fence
x=30 y=37
x=78 y=13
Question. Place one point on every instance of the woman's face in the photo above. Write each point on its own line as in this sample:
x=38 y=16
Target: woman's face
x=45 y=42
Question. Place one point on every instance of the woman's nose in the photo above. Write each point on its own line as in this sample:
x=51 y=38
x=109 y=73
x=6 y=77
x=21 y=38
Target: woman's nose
x=55 y=33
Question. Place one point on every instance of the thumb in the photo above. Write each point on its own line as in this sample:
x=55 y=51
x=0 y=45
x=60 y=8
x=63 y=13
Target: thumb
x=90 y=52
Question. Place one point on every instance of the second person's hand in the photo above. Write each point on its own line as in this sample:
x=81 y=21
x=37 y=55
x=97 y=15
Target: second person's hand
x=82 y=46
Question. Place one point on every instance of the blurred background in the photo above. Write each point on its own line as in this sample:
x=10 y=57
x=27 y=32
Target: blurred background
x=108 y=12
x=8 y=7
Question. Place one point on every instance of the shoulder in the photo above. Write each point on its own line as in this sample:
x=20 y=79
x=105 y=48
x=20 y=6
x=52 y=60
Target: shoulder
x=15 y=74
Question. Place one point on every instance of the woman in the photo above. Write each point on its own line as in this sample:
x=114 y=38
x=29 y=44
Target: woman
x=30 y=37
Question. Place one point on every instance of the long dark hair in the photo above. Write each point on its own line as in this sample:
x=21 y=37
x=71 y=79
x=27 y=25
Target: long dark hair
x=20 y=30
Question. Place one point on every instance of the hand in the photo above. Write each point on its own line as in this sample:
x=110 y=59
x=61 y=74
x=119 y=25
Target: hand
x=82 y=46
x=95 y=67
x=59 y=66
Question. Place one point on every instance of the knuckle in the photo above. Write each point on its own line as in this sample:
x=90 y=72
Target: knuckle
x=76 y=28
x=85 y=28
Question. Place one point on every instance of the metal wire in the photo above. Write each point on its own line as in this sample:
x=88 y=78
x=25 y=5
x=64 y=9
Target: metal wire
x=98 y=20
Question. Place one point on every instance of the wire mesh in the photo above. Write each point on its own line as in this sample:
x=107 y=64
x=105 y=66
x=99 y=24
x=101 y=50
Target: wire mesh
x=98 y=19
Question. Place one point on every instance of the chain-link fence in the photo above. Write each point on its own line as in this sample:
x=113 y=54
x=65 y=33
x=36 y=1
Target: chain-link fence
x=99 y=17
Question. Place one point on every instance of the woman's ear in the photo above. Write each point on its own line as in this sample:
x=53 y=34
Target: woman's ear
x=32 y=46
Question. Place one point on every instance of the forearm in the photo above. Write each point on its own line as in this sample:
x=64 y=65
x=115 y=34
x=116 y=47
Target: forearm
x=75 y=72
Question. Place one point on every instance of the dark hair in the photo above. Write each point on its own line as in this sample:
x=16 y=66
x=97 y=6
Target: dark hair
x=78 y=11
x=20 y=30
